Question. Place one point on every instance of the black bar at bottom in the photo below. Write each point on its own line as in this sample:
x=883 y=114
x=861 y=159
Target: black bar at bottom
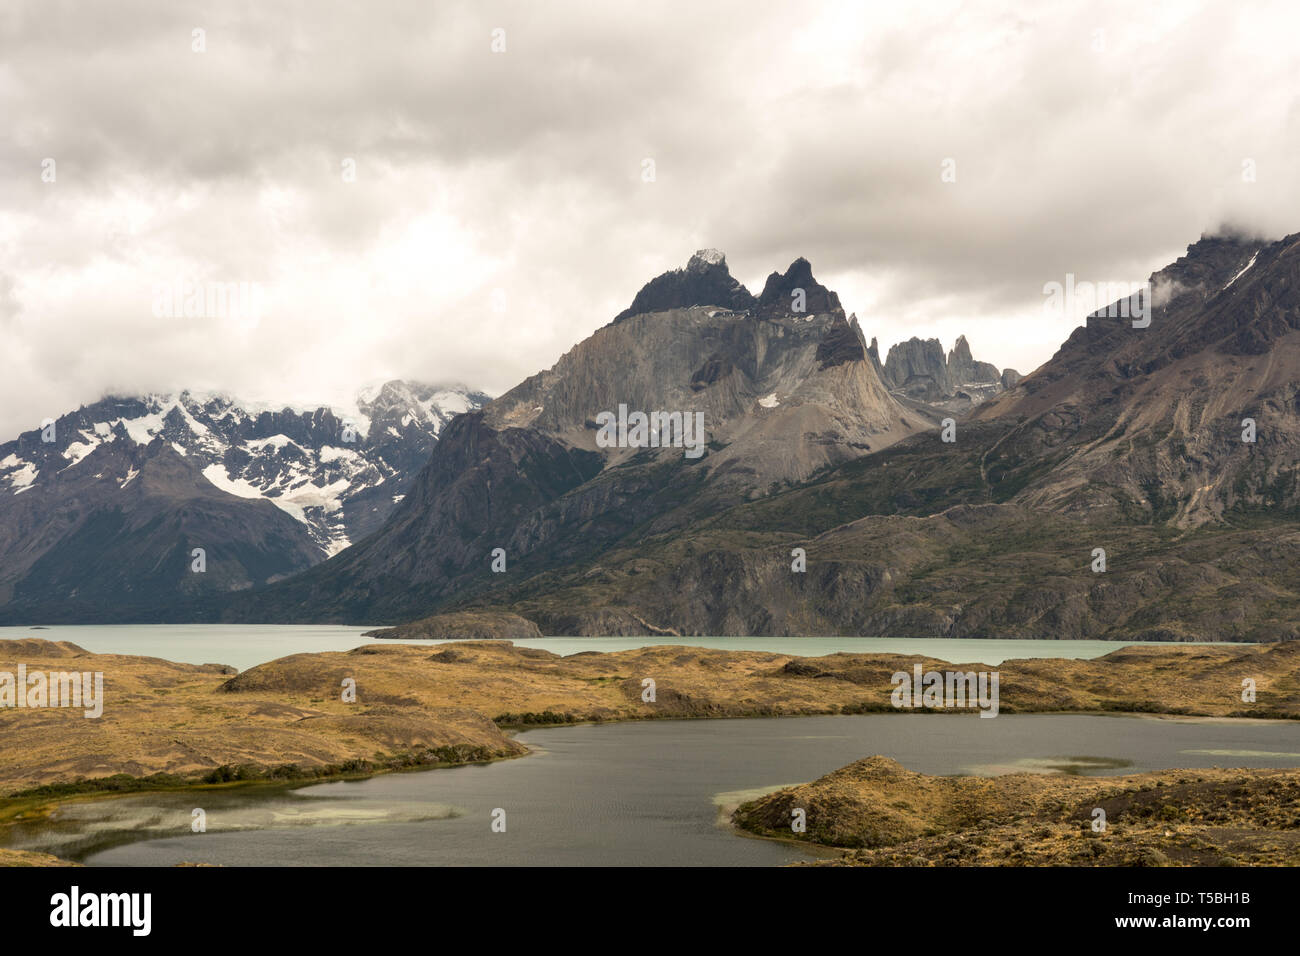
x=670 y=906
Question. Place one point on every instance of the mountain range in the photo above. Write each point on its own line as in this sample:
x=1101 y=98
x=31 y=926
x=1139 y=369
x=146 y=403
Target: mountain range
x=102 y=507
x=1140 y=484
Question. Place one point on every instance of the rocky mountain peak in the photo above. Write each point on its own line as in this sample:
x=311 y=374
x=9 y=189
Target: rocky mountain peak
x=964 y=370
x=399 y=402
x=1210 y=265
x=704 y=259
x=1162 y=406
x=960 y=351
x=706 y=280
x=779 y=293
x=873 y=356
x=918 y=367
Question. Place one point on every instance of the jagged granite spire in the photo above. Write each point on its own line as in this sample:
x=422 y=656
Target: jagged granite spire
x=873 y=355
x=779 y=293
x=918 y=366
x=705 y=281
x=964 y=370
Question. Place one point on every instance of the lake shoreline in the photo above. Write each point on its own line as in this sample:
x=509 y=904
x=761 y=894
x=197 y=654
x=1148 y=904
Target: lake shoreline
x=420 y=710
x=875 y=812
x=26 y=809
x=246 y=646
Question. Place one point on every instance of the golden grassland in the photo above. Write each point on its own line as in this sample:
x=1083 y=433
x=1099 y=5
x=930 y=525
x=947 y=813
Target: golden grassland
x=164 y=717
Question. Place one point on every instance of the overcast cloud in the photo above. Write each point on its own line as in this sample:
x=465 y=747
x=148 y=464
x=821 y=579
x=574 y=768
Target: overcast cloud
x=499 y=213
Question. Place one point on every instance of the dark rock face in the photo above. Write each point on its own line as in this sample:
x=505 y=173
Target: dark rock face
x=842 y=344
x=1224 y=293
x=1010 y=377
x=113 y=538
x=705 y=281
x=482 y=489
x=717 y=367
x=780 y=293
x=1256 y=306
x=1149 y=420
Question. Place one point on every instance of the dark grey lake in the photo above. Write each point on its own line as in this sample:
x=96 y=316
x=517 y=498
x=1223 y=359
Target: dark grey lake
x=635 y=794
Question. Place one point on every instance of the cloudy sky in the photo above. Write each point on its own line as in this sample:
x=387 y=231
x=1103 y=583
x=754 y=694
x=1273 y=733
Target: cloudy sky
x=459 y=191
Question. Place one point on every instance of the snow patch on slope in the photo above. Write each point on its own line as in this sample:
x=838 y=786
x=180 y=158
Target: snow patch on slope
x=1243 y=271
x=241 y=488
x=274 y=441
x=22 y=473
x=79 y=450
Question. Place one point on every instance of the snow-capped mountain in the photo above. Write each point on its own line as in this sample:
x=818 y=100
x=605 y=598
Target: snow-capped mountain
x=336 y=471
